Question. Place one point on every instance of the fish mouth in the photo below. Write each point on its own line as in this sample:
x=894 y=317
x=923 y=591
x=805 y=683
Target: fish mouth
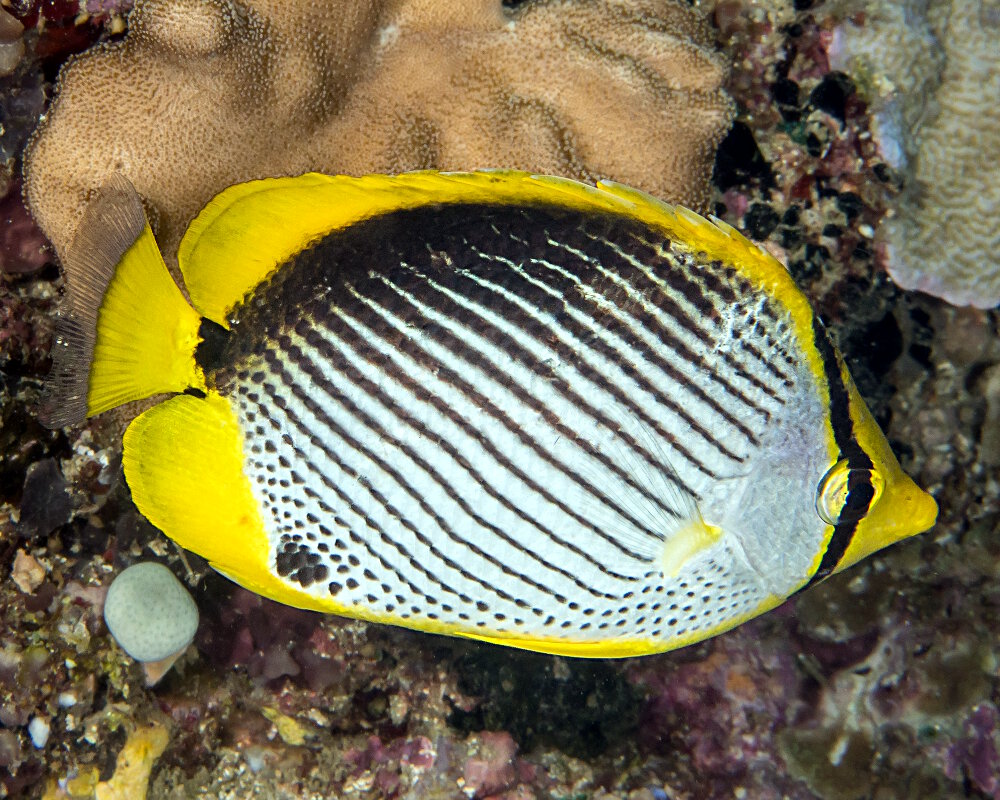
x=903 y=510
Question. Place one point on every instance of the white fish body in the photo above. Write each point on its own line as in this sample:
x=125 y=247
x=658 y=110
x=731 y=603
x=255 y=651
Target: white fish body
x=516 y=409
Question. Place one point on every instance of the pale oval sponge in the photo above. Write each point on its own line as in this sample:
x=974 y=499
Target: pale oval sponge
x=203 y=94
x=150 y=613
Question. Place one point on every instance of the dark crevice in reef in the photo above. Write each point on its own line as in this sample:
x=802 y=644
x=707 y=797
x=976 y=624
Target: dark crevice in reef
x=582 y=710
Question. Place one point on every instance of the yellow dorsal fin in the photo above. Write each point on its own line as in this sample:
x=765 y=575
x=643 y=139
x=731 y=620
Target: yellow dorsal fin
x=125 y=332
x=249 y=229
x=243 y=234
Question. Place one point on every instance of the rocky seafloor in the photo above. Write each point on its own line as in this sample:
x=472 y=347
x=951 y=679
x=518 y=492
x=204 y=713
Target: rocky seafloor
x=879 y=683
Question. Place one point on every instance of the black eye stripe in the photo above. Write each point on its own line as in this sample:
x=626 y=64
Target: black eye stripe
x=860 y=492
x=860 y=489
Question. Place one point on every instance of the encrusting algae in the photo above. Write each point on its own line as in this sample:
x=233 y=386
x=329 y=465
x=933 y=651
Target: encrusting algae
x=495 y=405
x=132 y=771
x=202 y=95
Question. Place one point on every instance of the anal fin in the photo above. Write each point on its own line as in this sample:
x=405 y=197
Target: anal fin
x=184 y=463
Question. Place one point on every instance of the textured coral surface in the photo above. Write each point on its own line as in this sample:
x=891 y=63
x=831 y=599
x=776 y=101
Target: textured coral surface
x=937 y=120
x=203 y=94
x=880 y=683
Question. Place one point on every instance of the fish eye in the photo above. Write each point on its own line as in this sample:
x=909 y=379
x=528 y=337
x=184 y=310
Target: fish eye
x=844 y=495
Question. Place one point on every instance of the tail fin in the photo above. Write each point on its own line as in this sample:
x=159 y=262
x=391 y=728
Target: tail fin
x=126 y=332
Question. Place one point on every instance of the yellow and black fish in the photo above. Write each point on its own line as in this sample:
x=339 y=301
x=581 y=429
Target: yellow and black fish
x=514 y=408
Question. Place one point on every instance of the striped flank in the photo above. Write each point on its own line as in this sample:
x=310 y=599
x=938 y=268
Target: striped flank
x=489 y=419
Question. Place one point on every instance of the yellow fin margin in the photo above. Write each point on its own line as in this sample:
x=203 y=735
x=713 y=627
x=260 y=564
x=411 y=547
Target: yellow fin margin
x=249 y=229
x=183 y=461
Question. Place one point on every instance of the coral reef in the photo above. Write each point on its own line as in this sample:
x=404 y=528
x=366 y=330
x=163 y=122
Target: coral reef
x=881 y=682
x=937 y=122
x=605 y=89
x=11 y=46
x=22 y=246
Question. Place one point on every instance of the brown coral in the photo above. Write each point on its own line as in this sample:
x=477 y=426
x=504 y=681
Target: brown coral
x=202 y=94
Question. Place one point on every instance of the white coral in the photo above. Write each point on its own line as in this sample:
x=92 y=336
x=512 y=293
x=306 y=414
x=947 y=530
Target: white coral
x=933 y=72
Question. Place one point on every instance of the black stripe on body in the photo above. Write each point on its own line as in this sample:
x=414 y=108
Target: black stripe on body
x=278 y=399
x=413 y=349
x=695 y=292
x=273 y=399
x=293 y=352
x=335 y=326
x=292 y=421
x=599 y=316
x=520 y=235
x=674 y=269
x=483 y=362
x=629 y=276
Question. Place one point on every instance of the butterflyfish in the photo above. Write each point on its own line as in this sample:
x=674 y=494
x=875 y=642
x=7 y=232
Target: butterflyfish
x=519 y=409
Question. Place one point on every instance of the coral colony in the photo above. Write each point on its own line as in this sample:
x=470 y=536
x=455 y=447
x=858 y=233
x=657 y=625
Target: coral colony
x=284 y=87
x=936 y=121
